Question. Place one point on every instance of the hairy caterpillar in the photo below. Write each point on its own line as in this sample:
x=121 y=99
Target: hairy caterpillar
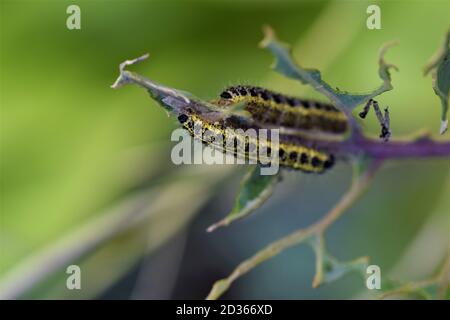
x=271 y=108
x=291 y=155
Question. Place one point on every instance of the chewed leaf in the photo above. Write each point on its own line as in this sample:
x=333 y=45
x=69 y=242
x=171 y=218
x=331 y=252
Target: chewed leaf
x=255 y=190
x=328 y=268
x=285 y=65
x=439 y=66
x=383 y=66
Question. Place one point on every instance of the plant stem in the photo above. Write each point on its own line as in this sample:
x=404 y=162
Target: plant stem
x=421 y=148
x=356 y=145
x=358 y=186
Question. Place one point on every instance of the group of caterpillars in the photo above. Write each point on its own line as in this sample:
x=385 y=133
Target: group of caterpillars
x=273 y=110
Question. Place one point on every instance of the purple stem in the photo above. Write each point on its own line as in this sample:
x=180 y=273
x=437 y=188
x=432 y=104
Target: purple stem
x=397 y=149
x=404 y=149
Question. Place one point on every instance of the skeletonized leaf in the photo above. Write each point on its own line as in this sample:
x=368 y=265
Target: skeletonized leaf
x=254 y=191
x=328 y=268
x=285 y=65
x=439 y=66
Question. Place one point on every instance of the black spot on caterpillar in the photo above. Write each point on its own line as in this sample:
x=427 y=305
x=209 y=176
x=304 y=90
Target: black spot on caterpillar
x=291 y=155
x=271 y=108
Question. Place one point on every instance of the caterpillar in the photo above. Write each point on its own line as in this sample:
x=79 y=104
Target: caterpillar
x=290 y=154
x=271 y=108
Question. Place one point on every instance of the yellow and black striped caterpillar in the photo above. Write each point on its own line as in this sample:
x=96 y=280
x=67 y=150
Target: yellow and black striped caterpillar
x=290 y=154
x=274 y=109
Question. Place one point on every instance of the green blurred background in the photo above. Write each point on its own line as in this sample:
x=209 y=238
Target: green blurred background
x=86 y=176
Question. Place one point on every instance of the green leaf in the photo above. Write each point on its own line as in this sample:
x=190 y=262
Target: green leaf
x=285 y=65
x=439 y=66
x=328 y=268
x=255 y=190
